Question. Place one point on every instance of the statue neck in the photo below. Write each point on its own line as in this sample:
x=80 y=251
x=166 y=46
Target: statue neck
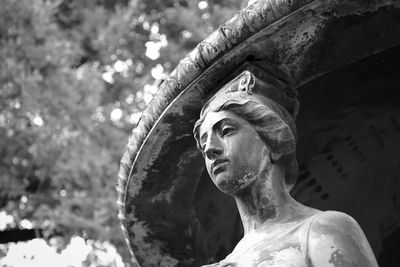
x=266 y=201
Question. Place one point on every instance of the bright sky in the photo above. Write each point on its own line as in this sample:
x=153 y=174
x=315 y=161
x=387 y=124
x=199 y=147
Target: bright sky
x=37 y=253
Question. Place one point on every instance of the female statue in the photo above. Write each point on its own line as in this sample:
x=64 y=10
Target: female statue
x=248 y=144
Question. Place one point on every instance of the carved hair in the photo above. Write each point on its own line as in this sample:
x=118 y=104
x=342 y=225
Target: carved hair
x=270 y=120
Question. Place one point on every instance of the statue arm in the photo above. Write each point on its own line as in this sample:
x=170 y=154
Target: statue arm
x=336 y=239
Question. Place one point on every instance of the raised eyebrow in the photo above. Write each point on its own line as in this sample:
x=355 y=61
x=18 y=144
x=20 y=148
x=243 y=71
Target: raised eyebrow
x=216 y=125
x=224 y=121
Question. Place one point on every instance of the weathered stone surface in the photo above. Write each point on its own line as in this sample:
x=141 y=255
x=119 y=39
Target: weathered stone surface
x=248 y=142
x=348 y=147
x=157 y=198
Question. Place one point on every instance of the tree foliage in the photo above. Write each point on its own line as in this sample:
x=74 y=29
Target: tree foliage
x=74 y=76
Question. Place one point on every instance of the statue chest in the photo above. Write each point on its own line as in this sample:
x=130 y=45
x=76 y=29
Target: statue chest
x=290 y=256
x=281 y=249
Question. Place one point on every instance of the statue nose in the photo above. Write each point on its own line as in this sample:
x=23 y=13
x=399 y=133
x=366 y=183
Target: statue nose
x=213 y=148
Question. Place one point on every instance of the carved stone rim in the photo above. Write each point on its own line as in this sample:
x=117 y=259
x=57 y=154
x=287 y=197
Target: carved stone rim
x=260 y=17
x=243 y=25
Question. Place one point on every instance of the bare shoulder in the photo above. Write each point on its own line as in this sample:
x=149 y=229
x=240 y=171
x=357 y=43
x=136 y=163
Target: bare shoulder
x=336 y=239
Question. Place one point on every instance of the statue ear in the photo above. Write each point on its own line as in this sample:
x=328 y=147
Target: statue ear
x=274 y=157
x=284 y=148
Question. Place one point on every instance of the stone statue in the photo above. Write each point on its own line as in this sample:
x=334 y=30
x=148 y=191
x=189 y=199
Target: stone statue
x=336 y=53
x=248 y=143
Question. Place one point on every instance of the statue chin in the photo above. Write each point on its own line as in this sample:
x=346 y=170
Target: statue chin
x=231 y=186
x=278 y=231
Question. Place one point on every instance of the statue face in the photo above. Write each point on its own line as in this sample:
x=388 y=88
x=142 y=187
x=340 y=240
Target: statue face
x=233 y=151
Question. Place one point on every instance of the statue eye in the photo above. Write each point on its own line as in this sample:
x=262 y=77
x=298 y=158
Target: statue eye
x=226 y=130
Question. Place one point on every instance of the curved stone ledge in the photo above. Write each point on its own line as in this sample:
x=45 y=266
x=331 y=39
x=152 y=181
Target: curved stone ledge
x=288 y=39
x=246 y=23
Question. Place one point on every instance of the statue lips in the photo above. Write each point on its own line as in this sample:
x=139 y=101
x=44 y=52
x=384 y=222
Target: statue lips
x=217 y=165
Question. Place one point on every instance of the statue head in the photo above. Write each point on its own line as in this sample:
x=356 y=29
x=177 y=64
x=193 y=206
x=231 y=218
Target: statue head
x=267 y=136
